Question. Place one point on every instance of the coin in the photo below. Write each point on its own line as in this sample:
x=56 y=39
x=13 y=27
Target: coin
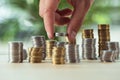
x=60 y=43
x=72 y=53
x=35 y=55
x=89 y=49
x=103 y=35
x=87 y=33
x=39 y=41
x=57 y=34
x=49 y=47
x=58 y=56
x=15 y=51
x=103 y=26
x=114 y=46
x=24 y=54
x=107 y=56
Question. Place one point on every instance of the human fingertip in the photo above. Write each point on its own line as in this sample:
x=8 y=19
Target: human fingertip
x=72 y=36
x=50 y=35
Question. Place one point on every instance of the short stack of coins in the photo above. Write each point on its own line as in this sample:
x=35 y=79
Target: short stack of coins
x=104 y=36
x=15 y=52
x=58 y=56
x=39 y=41
x=107 y=56
x=35 y=54
x=87 y=33
x=89 y=49
x=61 y=43
x=49 y=47
x=25 y=55
x=114 y=46
x=72 y=53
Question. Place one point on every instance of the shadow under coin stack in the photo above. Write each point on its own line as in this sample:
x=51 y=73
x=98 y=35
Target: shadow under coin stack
x=114 y=46
x=49 y=47
x=15 y=52
x=104 y=36
x=58 y=56
x=35 y=55
x=39 y=41
x=72 y=53
x=88 y=45
x=107 y=56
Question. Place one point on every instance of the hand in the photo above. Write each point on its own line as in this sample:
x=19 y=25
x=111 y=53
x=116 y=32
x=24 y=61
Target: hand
x=48 y=10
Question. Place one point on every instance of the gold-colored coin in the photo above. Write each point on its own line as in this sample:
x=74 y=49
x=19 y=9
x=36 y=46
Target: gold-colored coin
x=35 y=54
x=87 y=33
x=58 y=55
x=69 y=42
x=103 y=26
x=49 y=47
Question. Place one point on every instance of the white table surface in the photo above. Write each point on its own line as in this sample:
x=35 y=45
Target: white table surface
x=85 y=70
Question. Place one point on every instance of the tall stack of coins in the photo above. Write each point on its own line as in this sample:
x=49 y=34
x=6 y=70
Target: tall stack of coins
x=104 y=36
x=87 y=33
x=39 y=41
x=58 y=56
x=35 y=55
x=49 y=46
x=72 y=53
x=15 y=52
x=107 y=56
x=114 y=46
x=89 y=49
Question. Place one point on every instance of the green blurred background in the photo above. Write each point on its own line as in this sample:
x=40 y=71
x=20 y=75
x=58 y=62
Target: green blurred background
x=19 y=19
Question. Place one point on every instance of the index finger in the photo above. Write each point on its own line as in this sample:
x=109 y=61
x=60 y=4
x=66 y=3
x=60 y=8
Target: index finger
x=48 y=14
x=80 y=9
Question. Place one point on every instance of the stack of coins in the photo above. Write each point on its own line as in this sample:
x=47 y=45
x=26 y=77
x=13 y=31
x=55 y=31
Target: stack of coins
x=24 y=54
x=49 y=46
x=58 y=56
x=114 y=46
x=39 y=41
x=89 y=49
x=35 y=55
x=87 y=33
x=107 y=56
x=61 y=43
x=72 y=53
x=104 y=36
x=15 y=52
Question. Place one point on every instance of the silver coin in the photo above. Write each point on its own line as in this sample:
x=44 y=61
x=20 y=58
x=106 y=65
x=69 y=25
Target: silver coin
x=107 y=56
x=15 y=51
x=114 y=46
x=72 y=53
x=88 y=48
x=57 y=34
x=39 y=41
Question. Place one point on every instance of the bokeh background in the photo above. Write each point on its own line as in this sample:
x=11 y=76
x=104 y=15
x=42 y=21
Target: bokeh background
x=19 y=20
